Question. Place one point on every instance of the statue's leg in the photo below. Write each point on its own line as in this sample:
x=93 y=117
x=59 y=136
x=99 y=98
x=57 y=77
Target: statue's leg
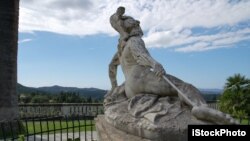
x=187 y=90
x=212 y=115
x=145 y=81
x=149 y=83
x=201 y=110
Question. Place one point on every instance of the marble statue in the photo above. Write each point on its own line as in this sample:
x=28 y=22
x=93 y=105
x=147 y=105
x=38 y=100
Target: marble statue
x=149 y=96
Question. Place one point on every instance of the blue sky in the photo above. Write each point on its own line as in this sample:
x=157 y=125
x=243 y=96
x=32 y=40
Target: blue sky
x=70 y=43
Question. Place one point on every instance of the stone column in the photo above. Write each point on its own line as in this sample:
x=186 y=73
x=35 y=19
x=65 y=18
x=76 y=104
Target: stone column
x=9 y=11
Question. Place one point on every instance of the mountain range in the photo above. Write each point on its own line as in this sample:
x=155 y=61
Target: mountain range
x=87 y=92
x=211 y=91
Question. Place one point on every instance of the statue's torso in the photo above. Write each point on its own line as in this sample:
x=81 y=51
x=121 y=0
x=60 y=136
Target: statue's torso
x=127 y=61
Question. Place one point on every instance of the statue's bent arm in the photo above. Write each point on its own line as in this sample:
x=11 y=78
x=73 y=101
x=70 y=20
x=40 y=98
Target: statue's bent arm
x=113 y=70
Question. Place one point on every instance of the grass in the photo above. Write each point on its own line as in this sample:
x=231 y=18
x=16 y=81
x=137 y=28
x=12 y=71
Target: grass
x=244 y=122
x=50 y=126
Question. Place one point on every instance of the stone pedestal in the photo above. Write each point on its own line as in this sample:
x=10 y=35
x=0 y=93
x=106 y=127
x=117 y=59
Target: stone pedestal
x=106 y=132
x=150 y=117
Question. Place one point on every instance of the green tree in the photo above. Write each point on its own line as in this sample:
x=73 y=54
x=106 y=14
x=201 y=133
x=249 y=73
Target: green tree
x=89 y=100
x=235 y=99
x=40 y=98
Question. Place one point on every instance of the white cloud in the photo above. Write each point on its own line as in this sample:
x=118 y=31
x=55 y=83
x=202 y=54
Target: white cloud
x=24 y=41
x=208 y=42
x=167 y=23
x=64 y=17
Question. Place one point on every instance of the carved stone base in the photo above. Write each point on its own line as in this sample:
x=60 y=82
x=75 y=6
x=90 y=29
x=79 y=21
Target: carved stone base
x=146 y=116
x=106 y=132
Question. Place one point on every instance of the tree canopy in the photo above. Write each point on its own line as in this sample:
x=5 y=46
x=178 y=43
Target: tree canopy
x=235 y=99
x=62 y=97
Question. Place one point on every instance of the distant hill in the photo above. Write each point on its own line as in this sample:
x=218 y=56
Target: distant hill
x=24 y=89
x=211 y=91
x=208 y=94
x=211 y=94
x=86 y=92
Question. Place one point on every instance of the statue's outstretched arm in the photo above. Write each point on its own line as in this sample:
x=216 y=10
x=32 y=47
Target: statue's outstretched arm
x=113 y=70
x=142 y=56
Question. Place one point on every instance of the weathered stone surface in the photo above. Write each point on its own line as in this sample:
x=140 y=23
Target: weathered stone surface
x=107 y=132
x=9 y=11
x=153 y=118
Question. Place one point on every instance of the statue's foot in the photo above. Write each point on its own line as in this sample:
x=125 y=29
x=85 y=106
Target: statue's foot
x=212 y=115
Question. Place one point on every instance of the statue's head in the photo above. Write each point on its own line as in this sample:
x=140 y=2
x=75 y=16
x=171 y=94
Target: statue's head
x=120 y=10
x=132 y=26
x=125 y=25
